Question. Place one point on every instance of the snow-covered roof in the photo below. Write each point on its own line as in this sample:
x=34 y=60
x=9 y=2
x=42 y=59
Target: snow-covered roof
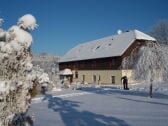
x=110 y=46
x=66 y=72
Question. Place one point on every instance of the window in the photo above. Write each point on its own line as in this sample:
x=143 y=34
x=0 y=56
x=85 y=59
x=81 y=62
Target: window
x=94 y=78
x=99 y=78
x=76 y=74
x=1 y=73
x=113 y=79
x=83 y=78
x=113 y=62
x=97 y=47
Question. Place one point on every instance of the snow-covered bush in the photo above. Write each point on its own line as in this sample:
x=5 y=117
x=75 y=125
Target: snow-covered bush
x=16 y=71
x=40 y=79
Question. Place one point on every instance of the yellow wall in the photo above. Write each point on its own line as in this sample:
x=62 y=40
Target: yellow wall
x=105 y=76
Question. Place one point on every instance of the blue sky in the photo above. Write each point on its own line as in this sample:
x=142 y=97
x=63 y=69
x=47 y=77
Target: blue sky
x=66 y=23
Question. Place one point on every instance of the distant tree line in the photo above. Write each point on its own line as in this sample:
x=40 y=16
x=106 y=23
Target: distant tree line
x=160 y=31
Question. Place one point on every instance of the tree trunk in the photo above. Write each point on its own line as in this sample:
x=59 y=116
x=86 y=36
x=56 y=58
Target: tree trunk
x=150 y=89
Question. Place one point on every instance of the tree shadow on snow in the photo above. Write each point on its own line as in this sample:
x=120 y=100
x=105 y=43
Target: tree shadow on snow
x=114 y=90
x=71 y=116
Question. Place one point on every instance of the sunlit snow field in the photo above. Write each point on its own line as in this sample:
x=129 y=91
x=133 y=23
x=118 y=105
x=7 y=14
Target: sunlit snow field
x=102 y=106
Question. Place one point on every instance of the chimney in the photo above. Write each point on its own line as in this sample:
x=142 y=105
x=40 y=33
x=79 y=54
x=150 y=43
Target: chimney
x=119 y=32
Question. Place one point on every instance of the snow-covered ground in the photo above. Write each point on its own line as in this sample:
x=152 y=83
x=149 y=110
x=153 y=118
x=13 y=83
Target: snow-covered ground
x=102 y=106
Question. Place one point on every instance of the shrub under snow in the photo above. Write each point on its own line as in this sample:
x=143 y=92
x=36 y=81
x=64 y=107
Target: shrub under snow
x=16 y=74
